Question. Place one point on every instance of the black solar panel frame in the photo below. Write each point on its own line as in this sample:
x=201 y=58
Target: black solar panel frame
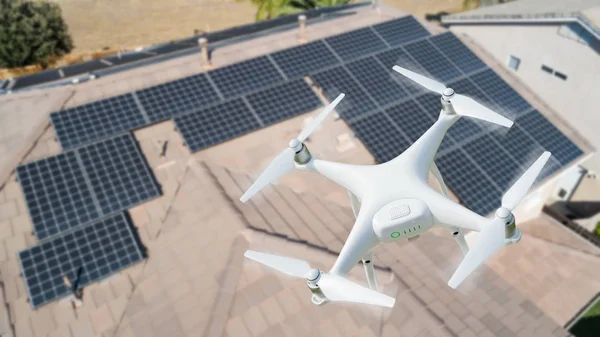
x=245 y=76
x=378 y=81
x=50 y=221
x=347 y=47
x=97 y=126
x=433 y=61
x=166 y=100
x=284 y=101
x=198 y=133
x=54 y=264
x=400 y=31
x=377 y=129
x=457 y=52
x=112 y=190
x=334 y=81
x=306 y=58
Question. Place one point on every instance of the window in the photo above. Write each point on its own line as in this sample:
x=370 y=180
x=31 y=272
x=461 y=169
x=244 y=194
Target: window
x=547 y=69
x=560 y=75
x=514 y=62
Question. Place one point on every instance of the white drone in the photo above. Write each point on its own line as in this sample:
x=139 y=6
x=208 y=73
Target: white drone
x=396 y=203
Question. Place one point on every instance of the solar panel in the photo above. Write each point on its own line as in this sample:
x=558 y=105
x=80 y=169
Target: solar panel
x=432 y=106
x=303 y=59
x=397 y=56
x=245 y=76
x=212 y=125
x=550 y=137
x=97 y=120
x=380 y=136
x=400 y=31
x=432 y=61
x=494 y=161
x=284 y=101
x=177 y=97
x=457 y=52
x=118 y=173
x=377 y=80
x=335 y=81
x=472 y=186
x=355 y=43
x=84 y=255
x=410 y=118
x=56 y=194
x=510 y=103
x=518 y=143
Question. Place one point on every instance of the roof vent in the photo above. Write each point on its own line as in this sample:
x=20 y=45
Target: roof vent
x=302 y=32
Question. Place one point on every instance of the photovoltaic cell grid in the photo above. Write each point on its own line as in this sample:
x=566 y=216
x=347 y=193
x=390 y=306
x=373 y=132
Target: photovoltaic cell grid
x=79 y=186
x=549 y=137
x=377 y=80
x=380 y=136
x=284 y=101
x=400 y=31
x=457 y=52
x=337 y=80
x=216 y=124
x=472 y=186
x=303 y=59
x=97 y=120
x=432 y=61
x=494 y=161
x=84 y=255
x=409 y=116
x=397 y=56
x=56 y=194
x=510 y=103
x=170 y=99
x=118 y=173
x=356 y=43
x=245 y=76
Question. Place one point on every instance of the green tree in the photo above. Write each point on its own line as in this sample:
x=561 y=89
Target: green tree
x=270 y=9
x=31 y=32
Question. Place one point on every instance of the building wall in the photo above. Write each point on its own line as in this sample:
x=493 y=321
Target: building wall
x=574 y=99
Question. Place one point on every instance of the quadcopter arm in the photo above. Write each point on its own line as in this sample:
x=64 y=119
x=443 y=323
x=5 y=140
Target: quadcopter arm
x=351 y=177
x=449 y=214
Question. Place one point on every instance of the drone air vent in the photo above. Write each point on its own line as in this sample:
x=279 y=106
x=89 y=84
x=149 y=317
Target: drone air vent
x=399 y=212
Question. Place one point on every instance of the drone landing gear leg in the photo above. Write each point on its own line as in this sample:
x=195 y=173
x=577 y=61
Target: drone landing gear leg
x=459 y=237
x=370 y=270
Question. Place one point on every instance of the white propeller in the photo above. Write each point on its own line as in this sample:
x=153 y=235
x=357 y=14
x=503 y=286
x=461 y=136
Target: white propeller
x=492 y=236
x=463 y=105
x=336 y=288
x=284 y=162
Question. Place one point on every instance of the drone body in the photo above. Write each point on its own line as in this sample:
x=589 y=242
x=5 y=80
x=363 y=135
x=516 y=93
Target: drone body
x=393 y=201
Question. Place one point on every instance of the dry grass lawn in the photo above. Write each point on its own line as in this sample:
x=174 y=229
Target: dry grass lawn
x=96 y=24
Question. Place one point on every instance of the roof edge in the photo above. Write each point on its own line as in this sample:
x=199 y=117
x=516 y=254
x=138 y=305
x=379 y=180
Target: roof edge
x=533 y=19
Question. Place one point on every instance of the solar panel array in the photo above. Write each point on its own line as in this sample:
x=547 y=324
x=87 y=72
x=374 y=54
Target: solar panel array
x=385 y=110
x=81 y=185
x=84 y=255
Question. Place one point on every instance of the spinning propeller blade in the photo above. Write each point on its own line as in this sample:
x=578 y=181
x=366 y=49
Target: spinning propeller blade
x=425 y=82
x=513 y=197
x=284 y=162
x=466 y=106
x=490 y=240
x=339 y=289
x=492 y=236
x=335 y=288
x=463 y=105
x=286 y=265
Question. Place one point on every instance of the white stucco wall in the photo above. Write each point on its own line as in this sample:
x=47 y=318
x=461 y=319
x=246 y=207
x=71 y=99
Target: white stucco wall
x=576 y=98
